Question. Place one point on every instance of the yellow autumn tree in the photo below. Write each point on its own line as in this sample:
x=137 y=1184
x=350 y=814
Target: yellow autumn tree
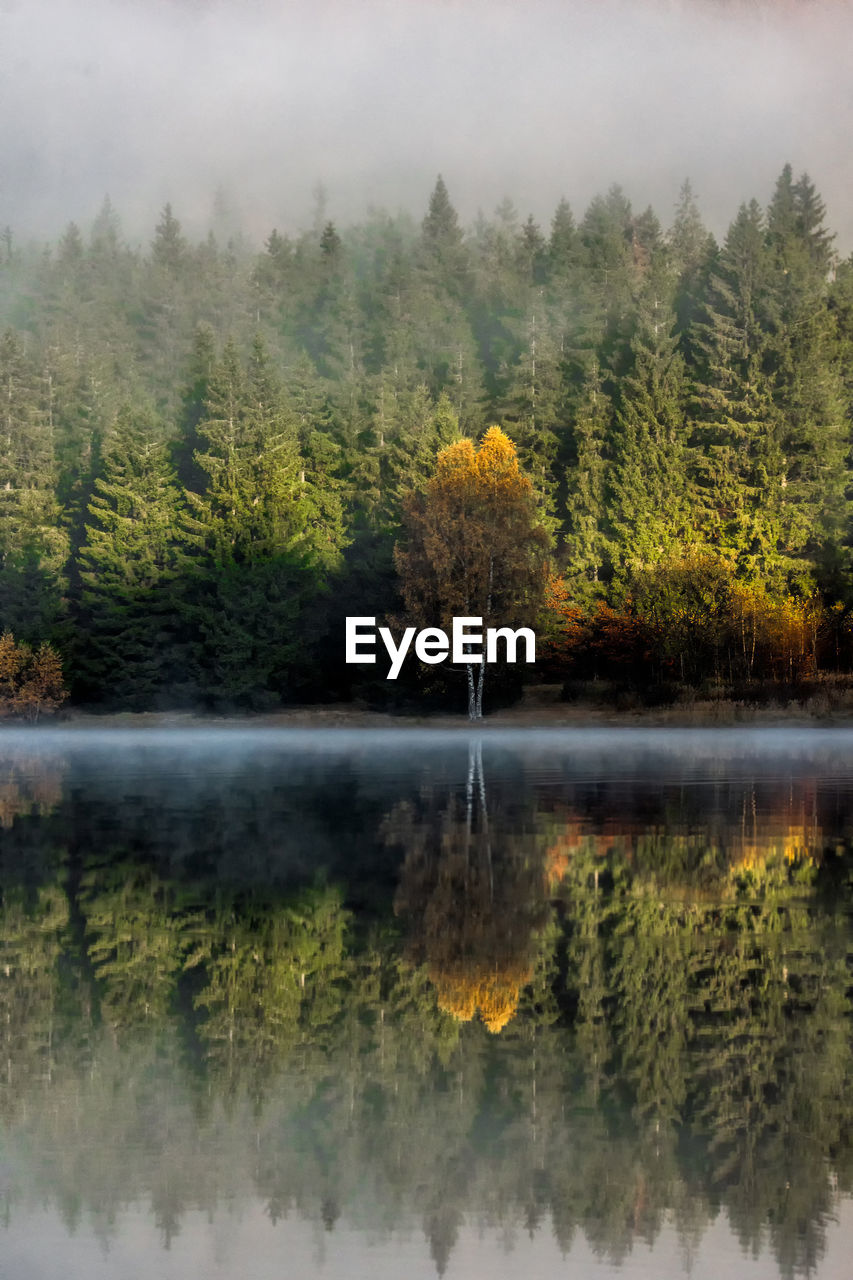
x=473 y=545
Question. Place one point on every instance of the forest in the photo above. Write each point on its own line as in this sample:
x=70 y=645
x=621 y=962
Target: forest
x=211 y=455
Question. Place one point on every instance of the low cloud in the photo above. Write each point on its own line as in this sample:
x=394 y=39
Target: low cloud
x=166 y=101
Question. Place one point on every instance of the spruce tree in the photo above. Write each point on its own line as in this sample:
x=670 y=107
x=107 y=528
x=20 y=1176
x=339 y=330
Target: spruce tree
x=586 y=541
x=322 y=463
x=128 y=645
x=690 y=246
x=33 y=541
x=738 y=472
x=257 y=557
x=421 y=429
x=530 y=409
x=563 y=247
x=648 y=482
x=444 y=255
x=807 y=388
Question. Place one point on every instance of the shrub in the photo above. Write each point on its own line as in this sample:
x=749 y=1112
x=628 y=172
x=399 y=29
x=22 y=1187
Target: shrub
x=31 y=681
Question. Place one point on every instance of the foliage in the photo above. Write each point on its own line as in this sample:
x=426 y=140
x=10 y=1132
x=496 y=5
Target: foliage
x=206 y=450
x=474 y=546
x=688 y=618
x=31 y=680
x=663 y=993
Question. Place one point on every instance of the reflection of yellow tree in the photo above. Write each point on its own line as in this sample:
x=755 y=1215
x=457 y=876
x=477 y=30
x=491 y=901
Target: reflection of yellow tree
x=472 y=891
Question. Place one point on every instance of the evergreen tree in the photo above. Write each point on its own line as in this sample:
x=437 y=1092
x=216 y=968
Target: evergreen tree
x=257 y=556
x=169 y=248
x=563 y=245
x=530 y=409
x=690 y=247
x=193 y=400
x=532 y=253
x=33 y=543
x=807 y=388
x=738 y=468
x=321 y=460
x=413 y=439
x=129 y=648
x=587 y=544
x=648 y=484
x=445 y=255
x=440 y=227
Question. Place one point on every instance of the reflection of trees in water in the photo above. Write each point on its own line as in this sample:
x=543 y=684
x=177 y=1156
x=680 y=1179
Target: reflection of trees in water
x=756 y=840
x=472 y=894
x=28 y=785
x=33 y=937
x=271 y=974
x=701 y=1060
x=681 y=1046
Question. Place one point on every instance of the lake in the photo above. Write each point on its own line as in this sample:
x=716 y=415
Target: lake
x=368 y=1003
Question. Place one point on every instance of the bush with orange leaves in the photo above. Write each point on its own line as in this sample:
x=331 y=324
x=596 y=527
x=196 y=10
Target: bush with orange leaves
x=564 y=628
x=31 y=681
x=688 y=619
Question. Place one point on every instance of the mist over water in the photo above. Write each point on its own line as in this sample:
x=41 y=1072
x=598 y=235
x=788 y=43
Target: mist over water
x=168 y=101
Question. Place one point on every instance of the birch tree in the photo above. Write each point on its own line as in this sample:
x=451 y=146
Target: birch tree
x=473 y=545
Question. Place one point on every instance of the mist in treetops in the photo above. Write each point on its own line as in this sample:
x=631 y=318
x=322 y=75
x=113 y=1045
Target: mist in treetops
x=171 y=100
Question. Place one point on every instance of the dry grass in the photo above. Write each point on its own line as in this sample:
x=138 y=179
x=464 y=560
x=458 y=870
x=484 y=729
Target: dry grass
x=825 y=701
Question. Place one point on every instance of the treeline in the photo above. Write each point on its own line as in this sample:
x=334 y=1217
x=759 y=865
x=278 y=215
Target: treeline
x=205 y=449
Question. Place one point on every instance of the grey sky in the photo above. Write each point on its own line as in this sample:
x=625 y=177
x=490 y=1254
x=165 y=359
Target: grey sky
x=167 y=99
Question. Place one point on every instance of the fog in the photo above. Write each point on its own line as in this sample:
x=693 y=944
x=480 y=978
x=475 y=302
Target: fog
x=160 y=101
x=581 y=751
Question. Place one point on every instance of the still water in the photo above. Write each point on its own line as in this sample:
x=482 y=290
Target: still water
x=344 y=1004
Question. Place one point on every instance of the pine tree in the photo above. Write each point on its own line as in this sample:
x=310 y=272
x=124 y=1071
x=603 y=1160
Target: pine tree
x=738 y=467
x=807 y=388
x=128 y=644
x=563 y=248
x=690 y=247
x=169 y=248
x=648 y=483
x=587 y=544
x=33 y=543
x=530 y=408
x=258 y=558
x=445 y=255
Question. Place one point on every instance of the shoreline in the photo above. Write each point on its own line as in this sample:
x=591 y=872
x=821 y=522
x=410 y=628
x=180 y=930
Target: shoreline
x=533 y=711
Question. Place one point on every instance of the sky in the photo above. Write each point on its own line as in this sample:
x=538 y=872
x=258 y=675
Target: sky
x=534 y=99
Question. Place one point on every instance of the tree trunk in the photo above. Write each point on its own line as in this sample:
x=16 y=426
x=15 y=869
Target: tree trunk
x=472 y=694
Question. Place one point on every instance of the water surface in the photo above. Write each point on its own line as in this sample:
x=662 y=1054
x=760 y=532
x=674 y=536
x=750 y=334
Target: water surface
x=371 y=1002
